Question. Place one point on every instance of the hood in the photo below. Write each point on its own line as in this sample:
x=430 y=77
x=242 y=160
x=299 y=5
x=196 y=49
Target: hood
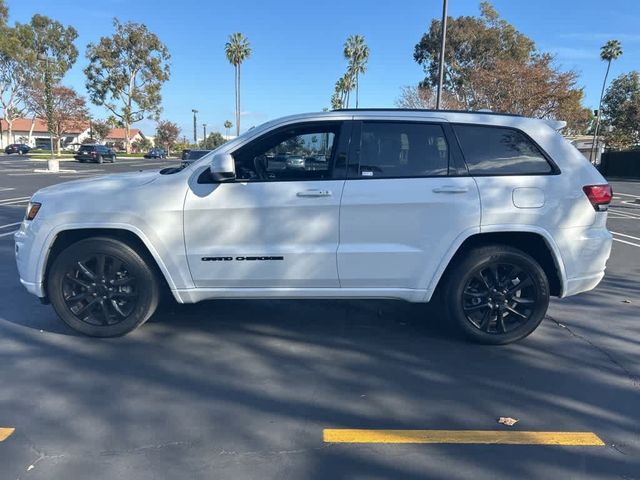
x=100 y=185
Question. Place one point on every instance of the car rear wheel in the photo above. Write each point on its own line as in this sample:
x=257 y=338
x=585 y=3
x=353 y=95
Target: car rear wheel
x=496 y=295
x=102 y=287
x=99 y=159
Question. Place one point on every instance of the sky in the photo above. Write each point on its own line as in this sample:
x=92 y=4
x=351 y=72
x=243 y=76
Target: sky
x=297 y=47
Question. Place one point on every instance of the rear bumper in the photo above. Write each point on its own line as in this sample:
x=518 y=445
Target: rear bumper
x=582 y=284
x=585 y=255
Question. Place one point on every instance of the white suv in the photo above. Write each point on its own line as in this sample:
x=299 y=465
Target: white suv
x=493 y=213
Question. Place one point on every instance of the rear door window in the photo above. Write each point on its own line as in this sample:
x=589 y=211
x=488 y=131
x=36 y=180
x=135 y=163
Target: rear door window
x=490 y=150
x=402 y=150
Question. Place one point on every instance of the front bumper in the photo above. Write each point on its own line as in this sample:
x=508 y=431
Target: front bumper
x=27 y=260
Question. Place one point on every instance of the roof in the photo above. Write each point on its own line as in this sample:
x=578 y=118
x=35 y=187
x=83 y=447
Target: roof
x=120 y=133
x=429 y=110
x=40 y=126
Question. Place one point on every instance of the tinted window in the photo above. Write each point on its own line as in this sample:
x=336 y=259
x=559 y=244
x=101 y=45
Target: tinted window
x=402 y=150
x=296 y=153
x=86 y=148
x=499 y=151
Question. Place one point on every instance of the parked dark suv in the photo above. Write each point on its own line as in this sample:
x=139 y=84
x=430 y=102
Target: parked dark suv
x=19 y=148
x=156 y=153
x=95 y=153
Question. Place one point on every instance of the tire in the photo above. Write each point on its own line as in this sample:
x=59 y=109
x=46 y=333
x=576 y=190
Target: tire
x=481 y=298
x=80 y=160
x=99 y=159
x=107 y=304
x=113 y=159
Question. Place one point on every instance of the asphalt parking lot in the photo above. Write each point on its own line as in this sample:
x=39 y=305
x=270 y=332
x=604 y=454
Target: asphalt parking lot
x=246 y=389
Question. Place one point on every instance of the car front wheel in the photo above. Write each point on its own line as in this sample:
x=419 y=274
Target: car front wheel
x=496 y=294
x=102 y=287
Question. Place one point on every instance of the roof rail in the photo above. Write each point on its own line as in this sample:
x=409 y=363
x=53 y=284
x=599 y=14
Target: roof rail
x=431 y=110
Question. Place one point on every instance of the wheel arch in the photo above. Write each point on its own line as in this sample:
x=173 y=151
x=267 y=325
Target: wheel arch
x=136 y=240
x=534 y=242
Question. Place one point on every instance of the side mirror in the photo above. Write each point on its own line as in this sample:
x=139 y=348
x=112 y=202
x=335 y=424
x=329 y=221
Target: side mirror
x=223 y=168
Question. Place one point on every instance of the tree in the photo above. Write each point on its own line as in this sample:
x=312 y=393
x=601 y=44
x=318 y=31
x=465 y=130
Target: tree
x=535 y=88
x=237 y=50
x=51 y=53
x=14 y=74
x=227 y=126
x=142 y=145
x=489 y=64
x=610 y=51
x=100 y=129
x=357 y=53
x=213 y=140
x=47 y=38
x=69 y=110
x=4 y=13
x=126 y=72
x=621 y=111
x=416 y=97
x=473 y=43
x=167 y=134
x=341 y=95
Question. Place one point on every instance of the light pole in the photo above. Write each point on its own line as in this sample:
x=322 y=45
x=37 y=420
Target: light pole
x=53 y=165
x=443 y=41
x=195 y=122
x=204 y=131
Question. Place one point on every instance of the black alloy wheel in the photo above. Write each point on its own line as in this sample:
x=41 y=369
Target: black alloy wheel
x=499 y=298
x=102 y=287
x=99 y=290
x=495 y=294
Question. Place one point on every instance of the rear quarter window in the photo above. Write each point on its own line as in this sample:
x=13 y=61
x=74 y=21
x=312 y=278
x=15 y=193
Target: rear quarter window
x=490 y=150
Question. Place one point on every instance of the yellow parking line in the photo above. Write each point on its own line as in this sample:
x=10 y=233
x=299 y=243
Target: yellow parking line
x=461 y=436
x=5 y=433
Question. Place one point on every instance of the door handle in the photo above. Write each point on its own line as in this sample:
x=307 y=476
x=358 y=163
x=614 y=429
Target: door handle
x=314 y=193
x=450 y=189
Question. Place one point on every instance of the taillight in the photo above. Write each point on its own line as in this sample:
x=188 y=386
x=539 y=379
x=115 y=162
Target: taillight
x=599 y=195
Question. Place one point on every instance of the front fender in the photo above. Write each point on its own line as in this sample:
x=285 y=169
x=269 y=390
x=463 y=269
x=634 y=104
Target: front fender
x=166 y=248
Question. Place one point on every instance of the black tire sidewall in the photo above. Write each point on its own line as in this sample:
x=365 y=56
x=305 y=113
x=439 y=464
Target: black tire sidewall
x=146 y=285
x=459 y=275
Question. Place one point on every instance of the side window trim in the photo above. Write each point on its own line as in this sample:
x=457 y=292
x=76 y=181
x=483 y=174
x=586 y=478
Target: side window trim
x=353 y=170
x=555 y=170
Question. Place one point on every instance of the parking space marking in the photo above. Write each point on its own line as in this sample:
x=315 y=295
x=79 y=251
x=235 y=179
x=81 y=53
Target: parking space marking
x=9 y=225
x=627 y=243
x=626 y=235
x=488 y=437
x=624 y=213
x=9 y=201
x=7 y=234
x=6 y=189
x=625 y=194
x=6 y=433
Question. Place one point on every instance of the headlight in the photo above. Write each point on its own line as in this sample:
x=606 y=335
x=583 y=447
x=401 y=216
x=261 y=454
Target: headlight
x=32 y=210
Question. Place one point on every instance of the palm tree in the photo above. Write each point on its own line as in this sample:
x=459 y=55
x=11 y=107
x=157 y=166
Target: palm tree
x=344 y=85
x=357 y=52
x=228 y=125
x=237 y=50
x=608 y=52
